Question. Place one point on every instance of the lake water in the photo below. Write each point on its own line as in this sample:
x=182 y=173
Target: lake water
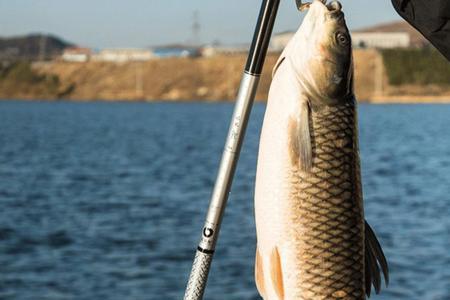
x=107 y=200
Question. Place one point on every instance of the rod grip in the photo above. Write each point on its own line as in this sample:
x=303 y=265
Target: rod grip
x=199 y=275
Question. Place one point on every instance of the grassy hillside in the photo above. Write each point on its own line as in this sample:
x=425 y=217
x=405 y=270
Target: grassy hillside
x=19 y=80
x=416 y=66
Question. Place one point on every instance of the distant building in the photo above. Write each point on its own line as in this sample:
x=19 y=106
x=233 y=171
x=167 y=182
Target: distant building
x=175 y=51
x=123 y=55
x=390 y=35
x=416 y=40
x=210 y=51
x=76 y=54
x=383 y=40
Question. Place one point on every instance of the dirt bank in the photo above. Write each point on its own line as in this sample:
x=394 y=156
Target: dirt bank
x=212 y=79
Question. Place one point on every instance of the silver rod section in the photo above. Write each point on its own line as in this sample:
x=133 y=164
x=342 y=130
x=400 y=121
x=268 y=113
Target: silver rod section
x=247 y=91
x=230 y=156
x=210 y=232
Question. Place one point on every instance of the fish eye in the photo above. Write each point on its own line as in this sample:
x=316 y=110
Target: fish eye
x=342 y=38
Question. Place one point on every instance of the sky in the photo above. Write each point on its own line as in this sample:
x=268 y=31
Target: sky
x=142 y=23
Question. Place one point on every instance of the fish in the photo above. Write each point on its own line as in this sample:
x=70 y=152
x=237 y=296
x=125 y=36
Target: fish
x=312 y=238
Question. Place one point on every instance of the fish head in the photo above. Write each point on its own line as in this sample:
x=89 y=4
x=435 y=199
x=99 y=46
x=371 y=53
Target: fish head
x=322 y=53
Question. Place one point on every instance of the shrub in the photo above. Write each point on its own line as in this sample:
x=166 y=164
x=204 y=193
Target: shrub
x=416 y=66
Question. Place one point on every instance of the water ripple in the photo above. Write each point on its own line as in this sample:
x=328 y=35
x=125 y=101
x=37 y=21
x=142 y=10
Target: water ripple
x=105 y=201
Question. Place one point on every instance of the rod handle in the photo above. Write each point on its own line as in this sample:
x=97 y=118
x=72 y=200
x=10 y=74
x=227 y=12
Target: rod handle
x=199 y=275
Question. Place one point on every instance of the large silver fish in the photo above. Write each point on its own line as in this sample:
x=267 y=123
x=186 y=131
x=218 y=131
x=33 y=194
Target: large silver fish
x=313 y=242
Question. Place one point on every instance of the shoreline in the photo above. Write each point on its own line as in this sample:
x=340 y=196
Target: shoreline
x=380 y=100
x=411 y=99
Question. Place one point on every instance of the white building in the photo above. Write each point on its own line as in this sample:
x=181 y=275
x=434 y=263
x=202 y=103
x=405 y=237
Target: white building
x=384 y=40
x=76 y=54
x=370 y=38
x=123 y=55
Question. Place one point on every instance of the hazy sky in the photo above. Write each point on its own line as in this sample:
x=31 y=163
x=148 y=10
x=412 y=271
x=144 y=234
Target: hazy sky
x=139 y=23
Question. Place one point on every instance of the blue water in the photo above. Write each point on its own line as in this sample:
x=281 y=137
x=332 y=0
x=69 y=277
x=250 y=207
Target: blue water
x=106 y=201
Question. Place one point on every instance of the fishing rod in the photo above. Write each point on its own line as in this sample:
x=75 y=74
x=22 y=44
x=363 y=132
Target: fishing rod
x=247 y=91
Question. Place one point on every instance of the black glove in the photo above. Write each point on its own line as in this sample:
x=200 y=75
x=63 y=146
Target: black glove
x=431 y=18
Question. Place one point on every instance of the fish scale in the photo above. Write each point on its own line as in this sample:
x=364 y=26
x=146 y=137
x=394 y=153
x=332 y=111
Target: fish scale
x=327 y=209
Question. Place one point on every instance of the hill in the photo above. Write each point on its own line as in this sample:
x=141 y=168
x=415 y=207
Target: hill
x=31 y=47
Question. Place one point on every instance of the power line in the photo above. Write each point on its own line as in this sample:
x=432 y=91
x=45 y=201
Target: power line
x=196 y=28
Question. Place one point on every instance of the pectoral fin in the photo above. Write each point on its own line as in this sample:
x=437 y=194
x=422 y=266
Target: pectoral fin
x=273 y=276
x=375 y=260
x=300 y=138
x=276 y=273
